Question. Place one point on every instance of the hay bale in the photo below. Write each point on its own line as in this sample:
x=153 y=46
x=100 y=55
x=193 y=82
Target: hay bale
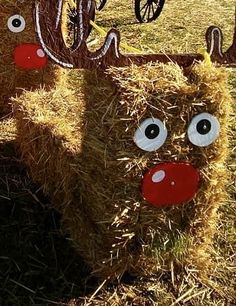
x=8 y=160
x=7 y=131
x=78 y=144
x=14 y=79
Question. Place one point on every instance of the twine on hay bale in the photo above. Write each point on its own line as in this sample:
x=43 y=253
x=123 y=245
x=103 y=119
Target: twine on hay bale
x=78 y=144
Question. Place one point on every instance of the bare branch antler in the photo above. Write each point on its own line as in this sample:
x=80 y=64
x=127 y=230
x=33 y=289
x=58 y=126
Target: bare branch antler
x=48 y=16
x=214 y=38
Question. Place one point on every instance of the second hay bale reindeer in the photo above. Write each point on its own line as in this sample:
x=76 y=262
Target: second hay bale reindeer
x=23 y=64
x=152 y=128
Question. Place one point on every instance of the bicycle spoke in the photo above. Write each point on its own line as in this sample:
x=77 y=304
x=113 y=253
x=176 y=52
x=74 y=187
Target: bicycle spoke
x=144 y=6
x=156 y=3
x=145 y=13
x=149 y=10
x=153 y=11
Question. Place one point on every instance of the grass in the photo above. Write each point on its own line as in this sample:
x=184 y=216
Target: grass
x=37 y=264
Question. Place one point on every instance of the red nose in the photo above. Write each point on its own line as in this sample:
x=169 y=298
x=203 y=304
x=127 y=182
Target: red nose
x=170 y=184
x=29 y=56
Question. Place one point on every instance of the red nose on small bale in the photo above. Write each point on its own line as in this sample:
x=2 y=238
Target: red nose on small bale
x=170 y=184
x=93 y=153
x=29 y=56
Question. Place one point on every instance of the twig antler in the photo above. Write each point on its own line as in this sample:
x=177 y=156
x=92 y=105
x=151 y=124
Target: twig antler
x=214 y=38
x=48 y=15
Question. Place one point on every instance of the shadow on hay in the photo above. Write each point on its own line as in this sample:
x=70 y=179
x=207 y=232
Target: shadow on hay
x=37 y=263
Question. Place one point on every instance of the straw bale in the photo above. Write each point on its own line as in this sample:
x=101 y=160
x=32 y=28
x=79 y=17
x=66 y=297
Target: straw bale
x=13 y=80
x=7 y=131
x=8 y=159
x=78 y=144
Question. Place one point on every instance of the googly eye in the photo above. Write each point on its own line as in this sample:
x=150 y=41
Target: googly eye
x=203 y=129
x=150 y=135
x=16 y=23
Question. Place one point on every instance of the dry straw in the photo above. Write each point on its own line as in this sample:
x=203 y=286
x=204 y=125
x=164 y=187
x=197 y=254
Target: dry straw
x=78 y=144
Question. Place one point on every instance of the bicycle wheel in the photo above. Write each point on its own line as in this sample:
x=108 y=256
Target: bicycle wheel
x=100 y=4
x=148 y=10
x=73 y=21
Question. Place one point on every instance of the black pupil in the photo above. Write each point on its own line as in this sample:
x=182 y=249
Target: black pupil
x=152 y=131
x=16 y=23
x=204 y=126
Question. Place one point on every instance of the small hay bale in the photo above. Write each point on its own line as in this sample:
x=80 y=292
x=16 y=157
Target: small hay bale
x=14 y=79
x=7 y=131
x=78 y=144
x=7 y=147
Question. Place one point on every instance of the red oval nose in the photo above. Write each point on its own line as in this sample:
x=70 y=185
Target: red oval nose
x=30 y=56
x=170 y=183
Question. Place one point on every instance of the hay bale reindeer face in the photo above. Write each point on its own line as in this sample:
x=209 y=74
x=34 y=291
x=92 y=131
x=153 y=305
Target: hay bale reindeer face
x=174 y=127
x=152 y=162
x=134 y=161
x=22 y=61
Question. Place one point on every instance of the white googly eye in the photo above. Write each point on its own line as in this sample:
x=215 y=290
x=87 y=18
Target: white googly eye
x=203 y=129
x=150 y=135
x=16 y=23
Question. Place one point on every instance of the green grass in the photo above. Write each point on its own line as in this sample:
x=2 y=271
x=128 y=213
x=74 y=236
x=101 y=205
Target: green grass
x=38 y=265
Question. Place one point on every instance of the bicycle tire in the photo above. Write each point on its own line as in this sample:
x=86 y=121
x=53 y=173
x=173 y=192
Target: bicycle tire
x=100 y=4
x=73 y=17
x=151 y=8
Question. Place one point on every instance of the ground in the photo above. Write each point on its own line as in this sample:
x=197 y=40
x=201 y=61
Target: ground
x=37 y=264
